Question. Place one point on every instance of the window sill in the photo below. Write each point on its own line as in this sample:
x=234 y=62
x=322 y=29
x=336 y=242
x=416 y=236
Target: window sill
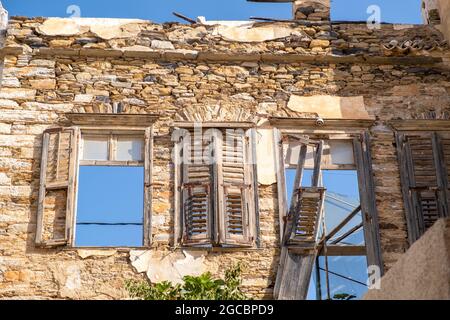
x=119 y=249
x=219 y=249
x=128 y=249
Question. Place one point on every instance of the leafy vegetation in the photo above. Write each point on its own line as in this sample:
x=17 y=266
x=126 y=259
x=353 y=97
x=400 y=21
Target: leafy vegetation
x=343 y=296
x=203 y=287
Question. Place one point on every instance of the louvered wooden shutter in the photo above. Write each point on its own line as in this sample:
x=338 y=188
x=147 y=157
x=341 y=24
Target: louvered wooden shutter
x=236 y=209
x=197 y=189
x=57 y=187
x=307 y=215
x=306 y=207
x=420 y=157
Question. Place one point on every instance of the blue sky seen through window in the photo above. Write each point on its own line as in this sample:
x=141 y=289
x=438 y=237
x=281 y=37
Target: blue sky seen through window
x=399 y=11
x=110 y=195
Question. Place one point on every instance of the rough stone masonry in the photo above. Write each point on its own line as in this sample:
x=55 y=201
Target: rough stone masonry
x=221 y=72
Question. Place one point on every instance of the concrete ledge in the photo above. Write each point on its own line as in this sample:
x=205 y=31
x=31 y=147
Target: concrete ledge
x=423 y=272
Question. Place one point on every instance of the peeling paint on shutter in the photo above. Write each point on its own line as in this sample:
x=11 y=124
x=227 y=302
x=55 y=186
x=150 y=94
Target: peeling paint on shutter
x=234 y=188
x=57 y=187
x=305 y=222
x=197 y=190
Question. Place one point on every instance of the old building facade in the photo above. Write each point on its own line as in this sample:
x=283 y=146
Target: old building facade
x=66 y=79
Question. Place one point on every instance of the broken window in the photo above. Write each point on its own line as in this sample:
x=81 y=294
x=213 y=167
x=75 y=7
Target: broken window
x=95 y=185
x=424 y=159
x=331 y=216
x=216 y=193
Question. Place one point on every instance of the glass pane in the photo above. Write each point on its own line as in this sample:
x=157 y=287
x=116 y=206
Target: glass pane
x=347 y=276
x=95 y=148
x=129 y=149
x=110 y=206
x=341 y=152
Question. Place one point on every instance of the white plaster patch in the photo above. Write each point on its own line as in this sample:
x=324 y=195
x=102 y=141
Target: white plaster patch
x=172 y=266
x=331 y=107
x=246 y=33
x=104 y=28
x=265 y=156
x=87 y=253
x=73 y=280
x=68 y=277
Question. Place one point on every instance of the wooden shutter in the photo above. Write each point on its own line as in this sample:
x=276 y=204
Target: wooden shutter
x=305 y=222
x=197 y=189
x=148 y=189
x=366 y=185
x=443 y=145
x=307 y=202
x=235 y=176
x=420 y=157
x=57 y=187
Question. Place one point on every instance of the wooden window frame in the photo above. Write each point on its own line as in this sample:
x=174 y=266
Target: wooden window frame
x=340 y=129
x=216 y=234
x=132 y=125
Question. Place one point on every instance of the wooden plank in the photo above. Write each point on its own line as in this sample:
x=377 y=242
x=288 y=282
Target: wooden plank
x=368 y=202
x=332 y=250
x=72 y=185
x=177 y=194
x=294 y=280
x=420 y=125
x=330 y=124
x=298 y=178
x=317 y=164
x=213 y=124
x=112 y=163
x=108 y=119
x=220 y=229
x=148 y=189
x=441 y=175
x=42 y=191
x=348 y=233
x=281 y=181
x=255 y=220
x=403 y=161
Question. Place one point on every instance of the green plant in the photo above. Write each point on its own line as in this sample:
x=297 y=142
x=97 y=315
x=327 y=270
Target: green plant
x=203 y=287
x=343 y=296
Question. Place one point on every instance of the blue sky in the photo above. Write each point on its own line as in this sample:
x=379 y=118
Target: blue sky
x=400 y=11
x=110 y=195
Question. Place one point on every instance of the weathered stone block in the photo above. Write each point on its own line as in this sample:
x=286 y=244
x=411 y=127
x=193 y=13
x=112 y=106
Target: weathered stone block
x=19 y=94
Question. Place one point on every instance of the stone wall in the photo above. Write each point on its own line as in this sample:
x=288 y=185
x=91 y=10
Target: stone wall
x=437 y=13
x=52 y=67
